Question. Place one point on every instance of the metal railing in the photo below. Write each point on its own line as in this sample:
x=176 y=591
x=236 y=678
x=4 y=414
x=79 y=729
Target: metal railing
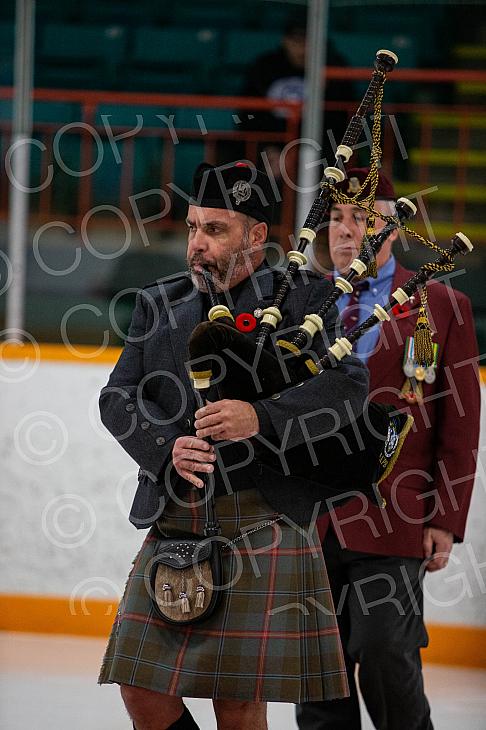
x=457 y=194
x=91 y=134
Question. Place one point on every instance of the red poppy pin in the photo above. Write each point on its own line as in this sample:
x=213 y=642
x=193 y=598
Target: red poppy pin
x=245 y=322
x=400 y=311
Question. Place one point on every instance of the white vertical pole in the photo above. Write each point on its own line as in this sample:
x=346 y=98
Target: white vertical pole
x=309 y=173
x=20 y=163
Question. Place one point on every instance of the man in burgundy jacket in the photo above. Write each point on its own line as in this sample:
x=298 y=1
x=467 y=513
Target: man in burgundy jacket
x=376 y=558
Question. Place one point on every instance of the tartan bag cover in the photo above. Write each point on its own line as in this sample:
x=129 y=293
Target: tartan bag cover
x=273 y=636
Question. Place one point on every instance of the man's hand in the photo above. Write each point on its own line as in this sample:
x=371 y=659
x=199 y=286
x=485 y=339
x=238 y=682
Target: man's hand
x=190 y=454
x=227 y=420
x=437 y=547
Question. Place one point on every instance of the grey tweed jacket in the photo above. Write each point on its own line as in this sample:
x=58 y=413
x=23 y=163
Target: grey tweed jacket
x=148 y=401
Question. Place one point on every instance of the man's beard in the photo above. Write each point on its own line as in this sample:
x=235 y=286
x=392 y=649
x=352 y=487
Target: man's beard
x=231 y=266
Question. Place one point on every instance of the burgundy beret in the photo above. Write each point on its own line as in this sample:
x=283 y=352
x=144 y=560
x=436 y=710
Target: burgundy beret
x=356 y=177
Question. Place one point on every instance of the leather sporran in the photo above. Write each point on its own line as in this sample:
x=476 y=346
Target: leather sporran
x=185 y=579
x=186 y=571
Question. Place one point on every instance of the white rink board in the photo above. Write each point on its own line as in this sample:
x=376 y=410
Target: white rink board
x=66 y=487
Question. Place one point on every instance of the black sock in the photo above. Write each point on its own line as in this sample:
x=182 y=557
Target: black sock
x=185 y=722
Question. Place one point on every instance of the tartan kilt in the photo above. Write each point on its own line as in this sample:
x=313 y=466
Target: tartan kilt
x=273 y=636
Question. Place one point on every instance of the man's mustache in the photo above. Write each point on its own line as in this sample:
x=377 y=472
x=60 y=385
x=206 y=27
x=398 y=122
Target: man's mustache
x=203 y=263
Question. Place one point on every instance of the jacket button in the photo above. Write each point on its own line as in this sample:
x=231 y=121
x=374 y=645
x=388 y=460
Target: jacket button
x=130 y=407
x=188 y=424
x=275 y=396
x=160 y=440
x=145 y=425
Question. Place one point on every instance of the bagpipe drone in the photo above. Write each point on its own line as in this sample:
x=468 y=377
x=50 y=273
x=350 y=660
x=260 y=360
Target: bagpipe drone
x=362 y=453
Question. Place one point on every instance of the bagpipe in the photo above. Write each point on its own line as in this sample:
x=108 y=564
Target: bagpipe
x=360 y=454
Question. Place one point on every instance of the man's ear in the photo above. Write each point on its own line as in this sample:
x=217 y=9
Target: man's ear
x=258 y=234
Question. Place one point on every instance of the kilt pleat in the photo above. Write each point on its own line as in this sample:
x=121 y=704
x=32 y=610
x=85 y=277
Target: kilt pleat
x=316 y=663
x=274 y=635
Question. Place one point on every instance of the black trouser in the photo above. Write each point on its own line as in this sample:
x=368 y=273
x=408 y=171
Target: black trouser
x=379 y=603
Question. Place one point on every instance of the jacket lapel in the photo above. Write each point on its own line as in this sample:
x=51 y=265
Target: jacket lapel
x=187 y=314
x=258 y=293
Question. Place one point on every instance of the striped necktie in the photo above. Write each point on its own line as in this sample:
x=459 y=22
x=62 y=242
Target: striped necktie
x=350 y=314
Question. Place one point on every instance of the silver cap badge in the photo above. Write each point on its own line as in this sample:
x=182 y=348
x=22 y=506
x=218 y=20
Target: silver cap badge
x=354 y=185
x=241 y=191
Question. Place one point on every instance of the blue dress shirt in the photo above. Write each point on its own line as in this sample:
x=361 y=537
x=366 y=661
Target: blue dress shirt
x=378 y=293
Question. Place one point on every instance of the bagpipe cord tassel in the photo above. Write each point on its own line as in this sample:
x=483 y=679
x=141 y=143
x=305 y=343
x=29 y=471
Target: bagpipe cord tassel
x=423 y=348
x=185 y=605
x=199 y=597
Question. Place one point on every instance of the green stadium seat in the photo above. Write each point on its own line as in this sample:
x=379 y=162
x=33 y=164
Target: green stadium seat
x=105 y=180
x=126 y=114
x=53 y=11
x=6 y=108
x=6 y=73
x=229 y=84
x=7 y=11
x=165 y=82
x=187 y=158
x=174 y=60
x=241 y=48
x=359 y=51
x=184 y=117
x=56 y=112
x=62 y=41
x=7 y=38
x=275 y=16
x=190 y=152
x=424 y=24
x=63 y=185
x=174 y=46
x=147 y=152
x=359 y=48
x=212 y=119
x=126 y=12
x=218 y=16
x=80 y=55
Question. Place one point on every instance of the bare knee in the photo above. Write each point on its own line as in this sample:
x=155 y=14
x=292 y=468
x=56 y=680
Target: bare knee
x=239 y=715
x=149 y=709
x=134 y=696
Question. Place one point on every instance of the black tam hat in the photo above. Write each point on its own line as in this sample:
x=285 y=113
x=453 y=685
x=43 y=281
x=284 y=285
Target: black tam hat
x=237 y=186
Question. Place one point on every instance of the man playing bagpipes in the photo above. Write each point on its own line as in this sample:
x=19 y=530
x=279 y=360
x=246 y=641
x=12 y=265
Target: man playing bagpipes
x=377 y=558
x=273 y=635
